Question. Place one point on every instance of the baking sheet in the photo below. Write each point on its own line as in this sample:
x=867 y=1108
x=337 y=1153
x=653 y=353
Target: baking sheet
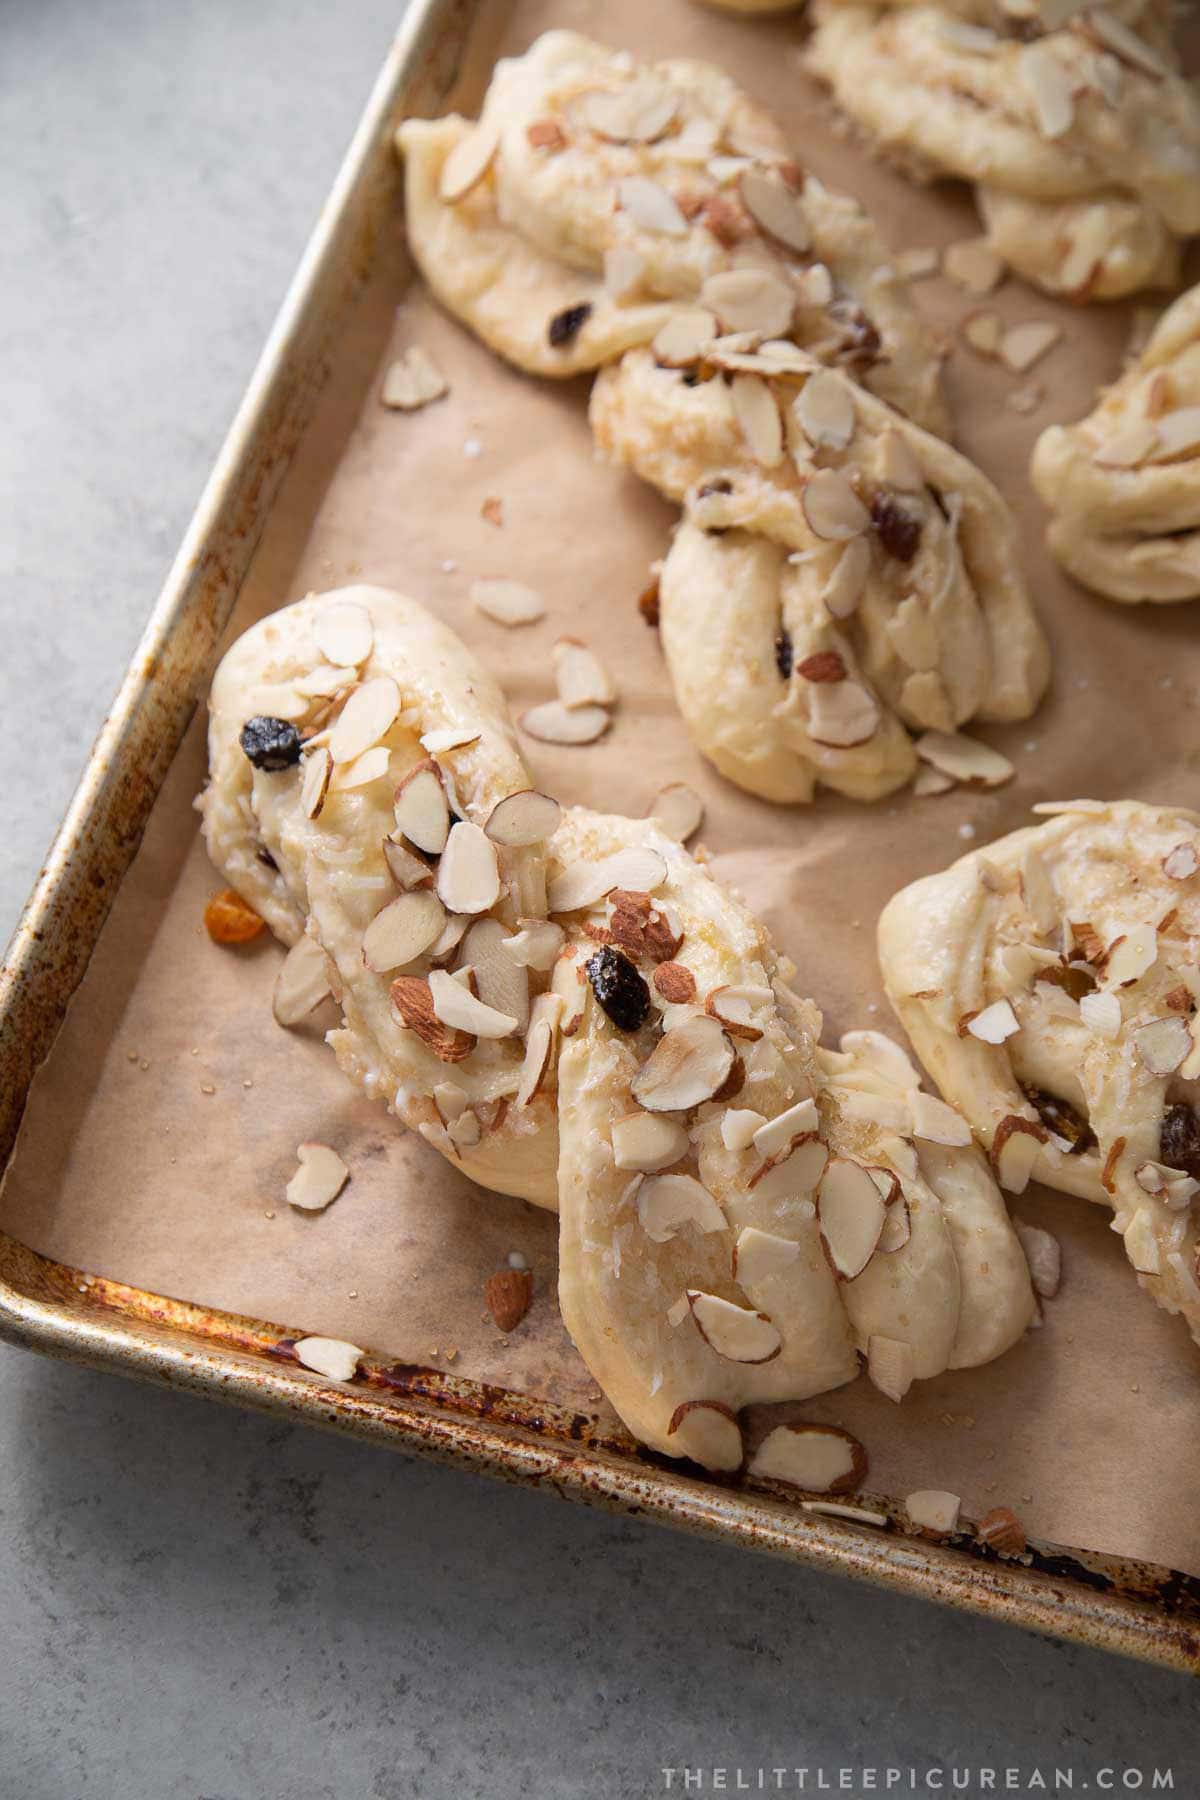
x=161 y=1132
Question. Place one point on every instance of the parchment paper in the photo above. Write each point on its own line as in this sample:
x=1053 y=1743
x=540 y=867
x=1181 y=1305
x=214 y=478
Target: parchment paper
x=162 y=1130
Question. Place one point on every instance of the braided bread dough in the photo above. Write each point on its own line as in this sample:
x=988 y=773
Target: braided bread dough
x=1077 y=127
x=1049 y=983
x=666 y=969
x=608 y=193
x=1123 y=485
x=825 y=590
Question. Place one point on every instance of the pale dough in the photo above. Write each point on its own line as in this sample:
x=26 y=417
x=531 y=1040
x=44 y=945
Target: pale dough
x=1085 y=926
x=1084 y=144
x=572 y=247
x=934 y=636
x=1123 y=485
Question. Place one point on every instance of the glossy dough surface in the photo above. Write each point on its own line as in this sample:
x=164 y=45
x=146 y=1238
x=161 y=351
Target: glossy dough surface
x=1076 y=124
x=883 y=561
x=1123 y=485
x=613 y=191
x=1081 y=934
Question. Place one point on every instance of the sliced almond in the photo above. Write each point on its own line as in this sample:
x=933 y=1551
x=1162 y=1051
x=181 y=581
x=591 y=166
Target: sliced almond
x=539 y=1047
x=842 y=714
x=319 y=1179
x=757 y=413
x=580 y=676
x=570 y=983
x=536 y=945
x=974 y=265
x=734 y=1008
x=331 y=1357
x=456 y=1006
x=403 y=930
x=792 y=1173
x=795 y=1121
x=1163 y=1045
x=648 y=1142
x=554 y=723
x=314 y=783
x=469 y=162
x=499 y=982
x=897 y=1225
x=1014 y=1151
x=964 y=758
x=1128 y=448
x=917 y=263
x=832 y=508
x=824 y=408
x=938 y=1123
x=1177 y=435
x=445 y=738
x=1002 y=1531
x=760 y=1256
x=1141 y=1243
x=412 y=998
x=1101 y=1013
x=933 y=1509
x=975 y=40
x=738 y=1126
x=1181 y=863
x=343 y=633
x=301 y=984
x=821 y=1459
x=666 y=1203
x=1043 y=1253
x=1130 y=954
x=775 y=209
x=1125 y=44
x=367 y=716
x=1049 y=87
x=686 y=1067
x=422 y=810
x=507 y=602
x=468 y=877
x=636 y=869
x=994 y=1024
x=851 y=1212
x=639 y=113
x=749 y=300
x=984 y=331
x=325 y=681
x=412 y=381
x=684 y=338
x=890 y=1365
x=737 y=1333
x=649 y=206
x=527 y=817
x=624 y=271
x=1023 y=345
x=845 y=586
x=678 y=810
x=370 y=767
x=707 y=1432
x=929 y=781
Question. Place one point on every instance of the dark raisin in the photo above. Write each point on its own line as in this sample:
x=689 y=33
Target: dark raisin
x=722 y=485
x=267 y=860
x=619 y=988
x=1179 y=1143
x=271 y=744
x=899 y=530
x=566 y=325
x=1060 y=1118
x=1075 y=982
x=783 y=654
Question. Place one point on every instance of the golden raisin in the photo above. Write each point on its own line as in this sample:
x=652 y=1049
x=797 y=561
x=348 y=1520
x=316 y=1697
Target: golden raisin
x=228 y=919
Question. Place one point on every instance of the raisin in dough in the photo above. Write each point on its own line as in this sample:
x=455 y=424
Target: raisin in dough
x=609 y=193
x=839 y=575
x=1075 y=123
x=1123 y=485
x=1049 y=984
x=704 y=1280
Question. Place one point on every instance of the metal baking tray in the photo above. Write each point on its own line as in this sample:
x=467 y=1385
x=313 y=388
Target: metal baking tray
x=1139 y=1609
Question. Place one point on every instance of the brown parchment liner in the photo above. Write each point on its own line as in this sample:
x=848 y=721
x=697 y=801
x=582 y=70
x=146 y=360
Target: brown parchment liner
x=161 y=1131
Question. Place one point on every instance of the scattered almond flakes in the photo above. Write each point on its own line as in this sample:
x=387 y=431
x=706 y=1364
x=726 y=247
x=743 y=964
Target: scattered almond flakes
x=984 y=331
x=507 y=602
x=509 y=1294
x=1024 y=345
x=916 y=264
x=974 y=265
x=413 y=381
x=1026 y=400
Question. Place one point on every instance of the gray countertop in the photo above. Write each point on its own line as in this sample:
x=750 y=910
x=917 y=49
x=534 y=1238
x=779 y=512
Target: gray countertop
x=201 y=1605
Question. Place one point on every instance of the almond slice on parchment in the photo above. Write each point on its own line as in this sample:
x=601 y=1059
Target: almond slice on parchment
x=301 y=984
x=554 y=723
x=890 y=1365
x=507 y=602
x=413 y=381
x=331 y=1357
x=678 y=810
x=580 y=676
x=319 y=1179
x=822 y=1459
x=933 y=1509
x=708 y=1432
x=964 y=759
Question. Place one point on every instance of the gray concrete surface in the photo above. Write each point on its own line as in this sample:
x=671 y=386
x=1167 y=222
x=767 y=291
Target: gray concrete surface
x=197 y=1605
